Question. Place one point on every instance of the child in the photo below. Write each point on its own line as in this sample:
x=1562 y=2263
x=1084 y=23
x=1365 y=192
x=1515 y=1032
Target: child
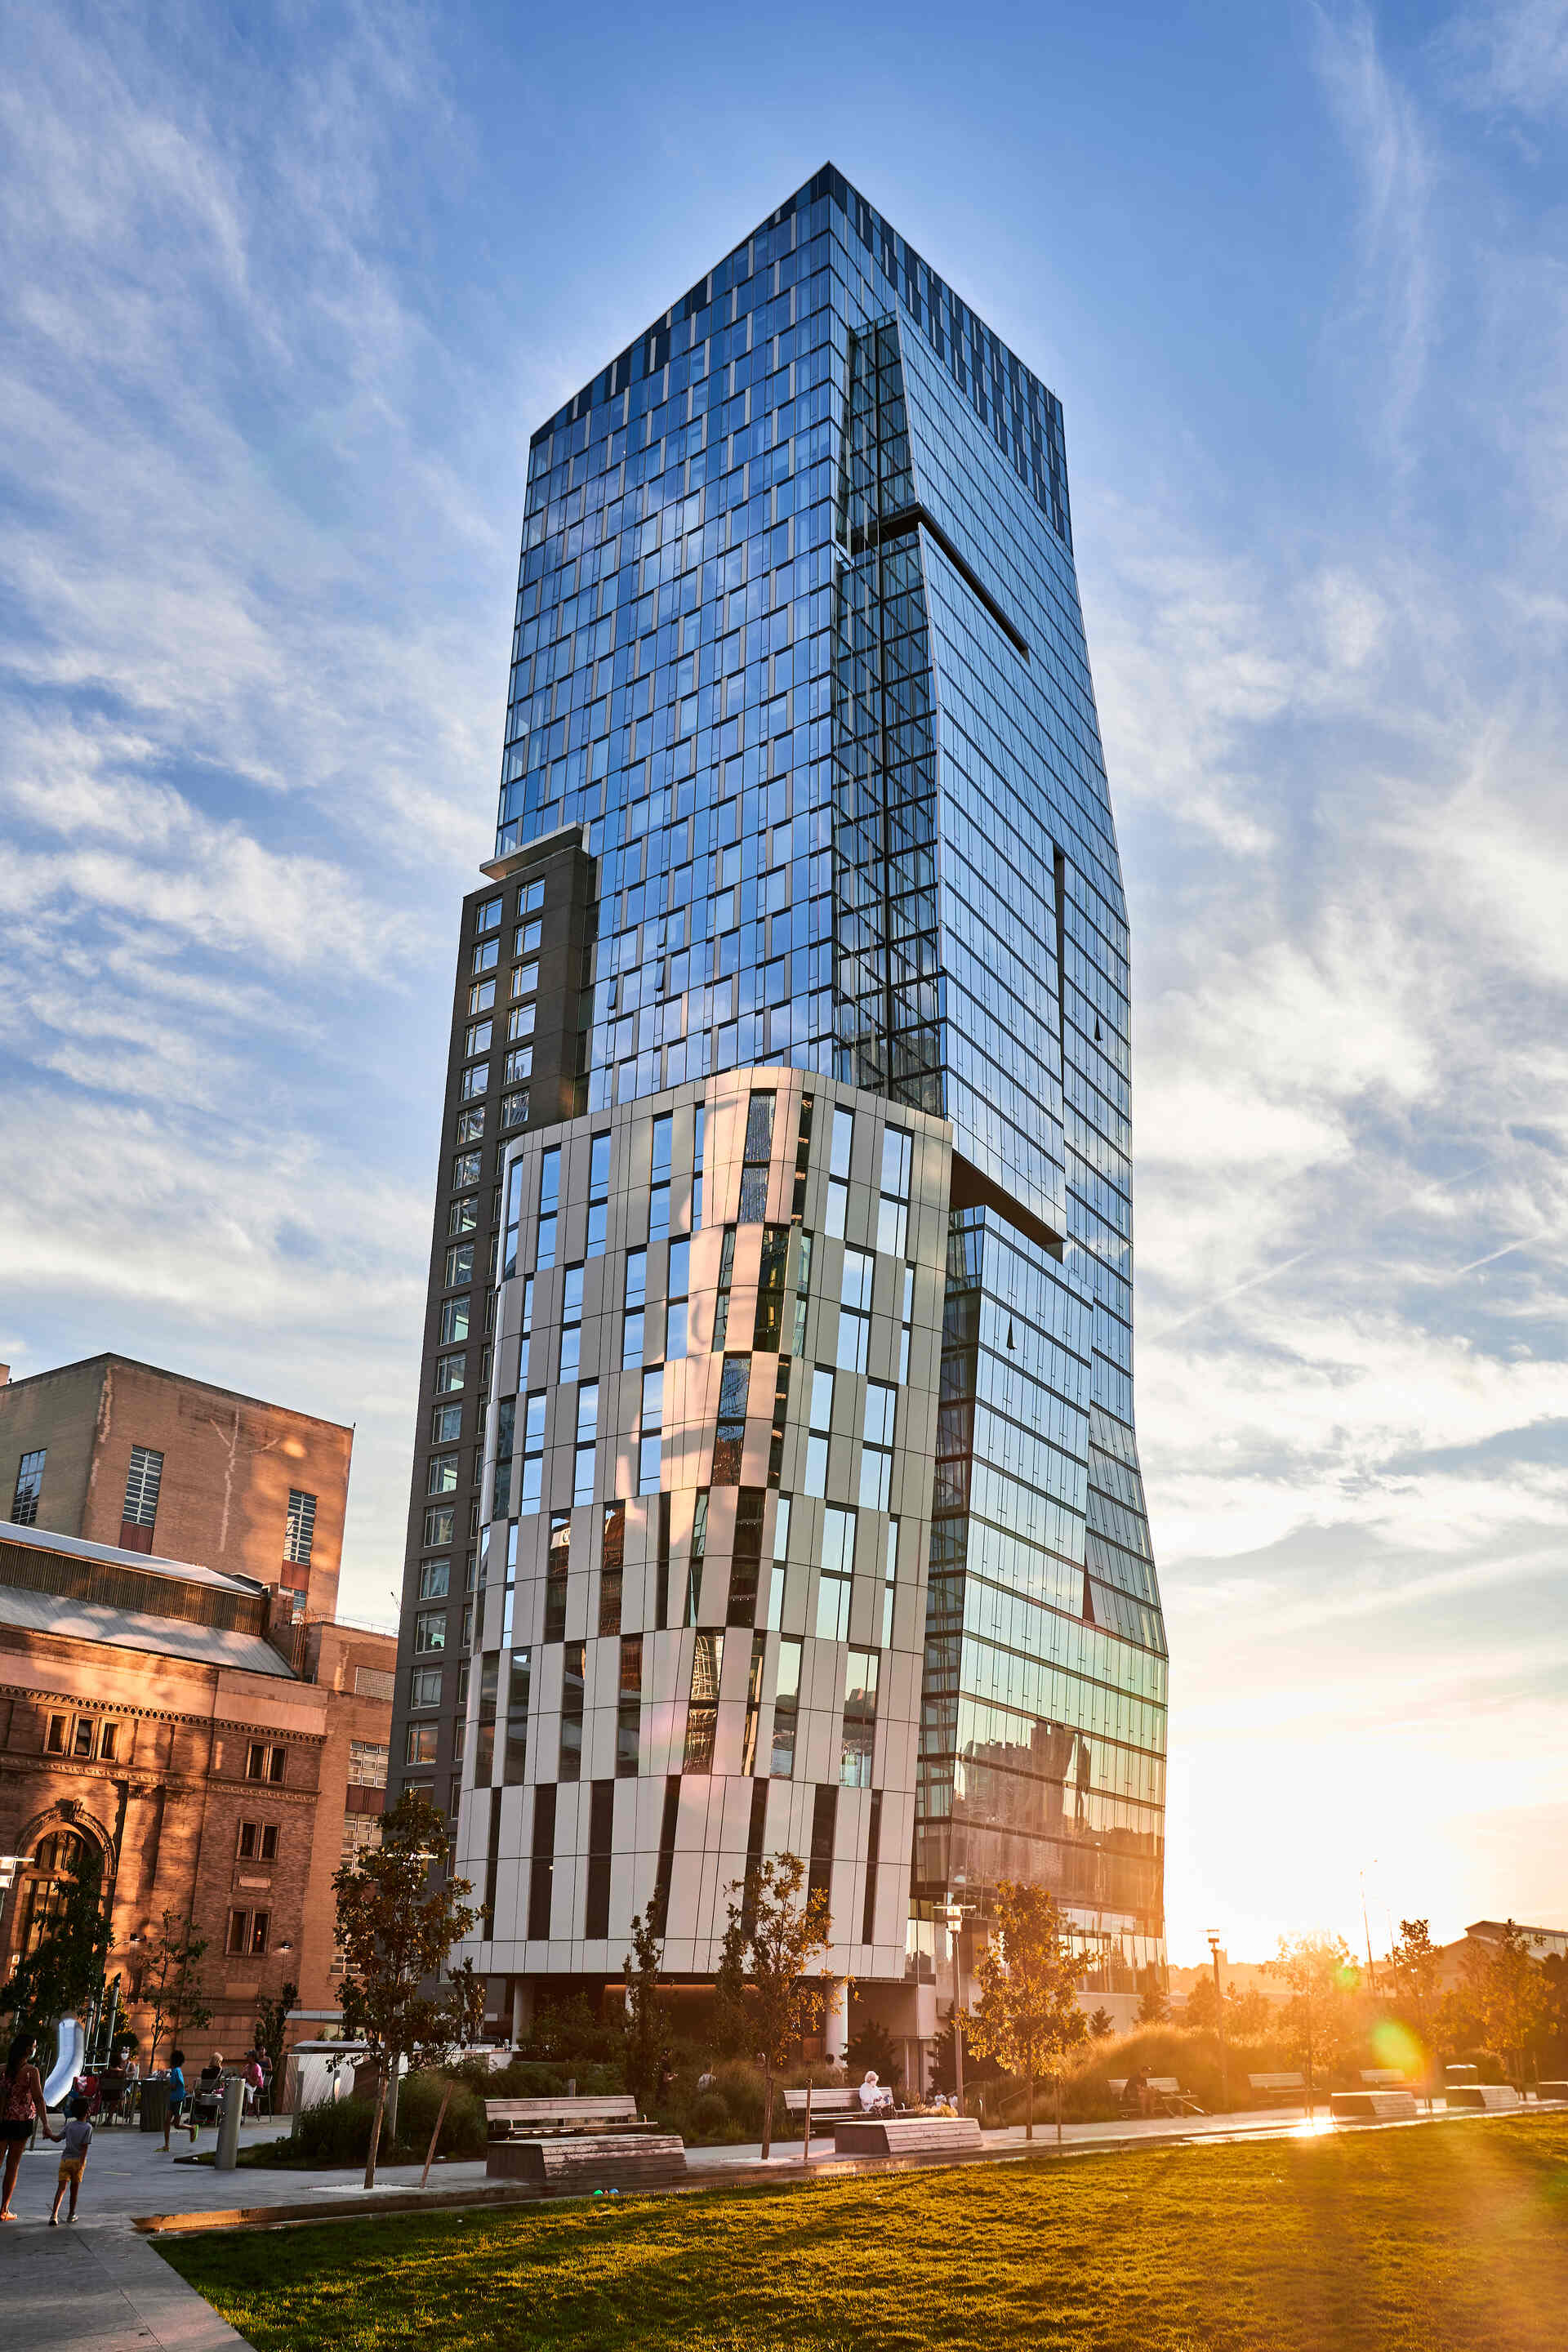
x=175 y=2080
x=78 y=2138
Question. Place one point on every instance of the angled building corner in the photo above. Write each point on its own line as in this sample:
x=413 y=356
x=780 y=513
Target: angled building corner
x=776 y=1484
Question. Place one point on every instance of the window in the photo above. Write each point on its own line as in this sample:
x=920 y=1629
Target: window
x=730 y=1435
x=699 y=1143
x=525 y=979
x=768 y=1332
x=486 y=957
x=454 y=1323
x=443 y=1475
x=29 y=1486
x=446 y=1424
x=530 y=898
x=425 y=1686
x=650 y=1431
x=470 y=1124
x=726 y=1277
x=746 y=1561
x=462 y=1217
x=893 y=1208
x=247 y=1931
x=678 y=1284
x=438 y=1526
x=786 y=1710
x=450 y=1374
x=598 y=1195
x=142 y=1481
x=703 y=1713
x=819 y=1429
x=513 y=1220
x=519 y=1064
x=802 y=1158
x=571 y=1323
x=488 y=917
x=528 y=938
x=258 y=1842
x=839 y=1171
x=759 y=1148
x=548 y=1200
x=514 y=1110
x=877 y=1452
x=855 y=1310
x=459 y=1263
x=55 y=1737
x=81 y=1735
x=466 y=1168
x=611 y=1569
x=477 y=1037
x=628 y=1707
x=890 y=1582
x=530 y=1491
x=519 y=1681
x=906 y=1324
x=520 y=1024
x=802 y=1293
x=474 y=1082
x=108 y=1741
x=419 y=1743
x=263 y=1761
x=367 y=1763
x=836 y=1578
x=557 y=1570
x=573 y=1668
x=658 y=1195
x=430 y=1630
x=587 y=1428
x=632 y=1331
x=859 y=1736
x=481 y=996
x=753 y=1718
x=506 y=1440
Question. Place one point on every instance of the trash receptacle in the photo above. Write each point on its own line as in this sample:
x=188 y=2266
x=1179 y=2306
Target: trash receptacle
x=155 y=2105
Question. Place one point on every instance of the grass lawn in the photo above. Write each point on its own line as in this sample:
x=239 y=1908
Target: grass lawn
x=1455 y=2235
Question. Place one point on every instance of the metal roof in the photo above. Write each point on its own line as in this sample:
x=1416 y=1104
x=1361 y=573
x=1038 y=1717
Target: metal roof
x=137 y=1629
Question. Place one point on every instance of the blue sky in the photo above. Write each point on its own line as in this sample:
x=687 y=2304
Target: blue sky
x=283 y=293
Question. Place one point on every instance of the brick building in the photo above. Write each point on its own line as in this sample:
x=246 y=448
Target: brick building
x=125 y=1454
x=222 y=1758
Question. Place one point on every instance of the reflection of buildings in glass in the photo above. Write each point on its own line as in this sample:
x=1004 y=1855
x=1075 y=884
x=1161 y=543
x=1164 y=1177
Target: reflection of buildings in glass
x=803 y=776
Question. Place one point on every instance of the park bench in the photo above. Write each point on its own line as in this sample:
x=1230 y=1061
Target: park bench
x=1488 y=2098
x=906 y=2135
x=826 y=2099
x=539 y=2118
x=1373 y=2106
x=1165 y=2091
x=574 y=2164
x=1279 y=2086
x=1383 y=2078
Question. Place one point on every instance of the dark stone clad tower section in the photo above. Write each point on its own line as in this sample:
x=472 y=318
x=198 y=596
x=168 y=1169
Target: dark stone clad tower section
x=512 y=1065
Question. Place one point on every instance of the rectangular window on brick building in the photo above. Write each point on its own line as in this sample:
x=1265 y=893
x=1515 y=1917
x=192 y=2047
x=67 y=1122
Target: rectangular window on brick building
x=142 y=1481
x=263 y=1761
x=29 y=1487
x=367 y=1764
x=247 y=1931
x=301 y=1529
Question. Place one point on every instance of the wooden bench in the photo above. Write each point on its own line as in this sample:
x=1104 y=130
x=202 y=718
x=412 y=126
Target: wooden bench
x=1489 y=2098
x=906 y=2135
x=1164 y=2090
x=534 y=2118
x=826 y=2099
x=1373 y=2106
x=1383 y=2078
x=574 y=2164
x=1279 y=2086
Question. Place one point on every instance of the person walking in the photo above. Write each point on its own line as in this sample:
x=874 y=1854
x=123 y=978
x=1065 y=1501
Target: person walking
x=21 y=2106
x=78 y=2138
x=175 y=2082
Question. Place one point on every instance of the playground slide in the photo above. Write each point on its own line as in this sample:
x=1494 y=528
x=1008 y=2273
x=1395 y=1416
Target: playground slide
x=68 y=2065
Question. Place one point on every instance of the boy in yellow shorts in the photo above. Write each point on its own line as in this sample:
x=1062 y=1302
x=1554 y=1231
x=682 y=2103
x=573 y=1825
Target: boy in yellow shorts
x=78 y=2138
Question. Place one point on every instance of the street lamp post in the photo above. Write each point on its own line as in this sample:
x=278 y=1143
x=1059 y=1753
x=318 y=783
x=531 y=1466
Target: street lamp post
x=1219 y=2018
x=954 y=1915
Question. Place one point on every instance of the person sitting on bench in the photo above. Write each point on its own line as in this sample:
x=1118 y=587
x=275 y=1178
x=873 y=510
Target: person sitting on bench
x=876 y=2099
x=1136 y=2091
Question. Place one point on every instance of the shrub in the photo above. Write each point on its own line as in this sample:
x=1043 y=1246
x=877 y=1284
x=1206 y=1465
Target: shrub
x=709 y=2116
x=338 y=2132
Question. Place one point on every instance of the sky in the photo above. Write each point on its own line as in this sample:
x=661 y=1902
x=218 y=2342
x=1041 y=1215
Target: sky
x=283 y=292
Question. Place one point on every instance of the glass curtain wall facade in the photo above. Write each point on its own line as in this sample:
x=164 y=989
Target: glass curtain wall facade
x=797 y=645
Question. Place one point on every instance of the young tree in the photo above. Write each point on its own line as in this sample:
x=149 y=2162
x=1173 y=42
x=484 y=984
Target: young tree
x=271 y=2027
x=399 y=1916
x=63 y=1974
x=1101 y=2026
x=171 y=1981
x=1028 y=2017
x=1322 y=1976
x=1417 y=1966
x=763 y=1985
x=1507 y=1993
x=648 y=2014
x=1153 y=2006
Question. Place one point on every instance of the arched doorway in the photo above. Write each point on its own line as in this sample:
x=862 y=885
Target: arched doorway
x=46 y=1879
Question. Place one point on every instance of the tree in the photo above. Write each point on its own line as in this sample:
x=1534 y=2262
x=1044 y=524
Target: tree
x=1417 y=1966
x=399 y=1916
x=648 y=2014
x=1028 y=2017
x=1321 y=1976
x=63 y=1974
x=1153 y=2004
x=1101 y=2026
x=171 y=1981
x=1507 y=1993
x=1245 y=2016
x=272 y=2026
x=766 y=1988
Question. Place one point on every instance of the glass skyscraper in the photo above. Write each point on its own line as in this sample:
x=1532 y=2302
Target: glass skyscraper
x=806 y=1502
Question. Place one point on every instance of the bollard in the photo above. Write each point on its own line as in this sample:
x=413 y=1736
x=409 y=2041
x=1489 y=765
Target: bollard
x=228 y=2123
